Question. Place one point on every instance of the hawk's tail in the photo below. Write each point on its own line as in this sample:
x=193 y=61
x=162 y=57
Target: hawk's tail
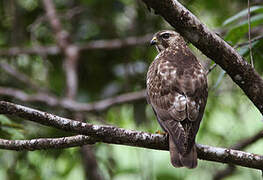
x=188 y=160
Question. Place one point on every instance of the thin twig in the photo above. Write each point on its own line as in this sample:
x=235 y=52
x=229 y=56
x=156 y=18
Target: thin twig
x=114 y=135
x=45 y=50
x=91 y=45
x=117 y=43
x=21 y=77
x=211 y=68
x=244 y=143
x=248 y=42
x=249 y=35
x=230 y=169
x=238 y=46
x=71 y=105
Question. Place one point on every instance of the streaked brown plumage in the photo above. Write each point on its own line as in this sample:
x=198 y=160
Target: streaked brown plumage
x=177 y=91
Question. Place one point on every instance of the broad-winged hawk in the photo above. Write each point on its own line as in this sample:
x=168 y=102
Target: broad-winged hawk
x=177 y=91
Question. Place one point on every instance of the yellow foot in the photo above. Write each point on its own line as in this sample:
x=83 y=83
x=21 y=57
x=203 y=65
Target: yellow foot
x=162 y=133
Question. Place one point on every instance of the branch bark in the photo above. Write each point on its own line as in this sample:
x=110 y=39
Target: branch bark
x=212 y=46
x=46 y=143
x=114 y=135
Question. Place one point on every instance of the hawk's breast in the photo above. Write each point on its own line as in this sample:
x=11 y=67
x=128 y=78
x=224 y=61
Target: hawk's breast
x=174 y=80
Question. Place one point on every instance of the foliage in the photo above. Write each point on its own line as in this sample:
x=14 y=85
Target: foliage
x=229 y=117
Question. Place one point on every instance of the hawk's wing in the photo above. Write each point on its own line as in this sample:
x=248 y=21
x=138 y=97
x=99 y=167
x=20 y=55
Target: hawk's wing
x=177 y=91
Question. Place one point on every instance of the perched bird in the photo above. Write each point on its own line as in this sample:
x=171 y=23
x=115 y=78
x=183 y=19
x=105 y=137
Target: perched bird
x=177 y=91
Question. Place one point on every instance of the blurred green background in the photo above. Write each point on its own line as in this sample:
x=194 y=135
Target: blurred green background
x=229 y=116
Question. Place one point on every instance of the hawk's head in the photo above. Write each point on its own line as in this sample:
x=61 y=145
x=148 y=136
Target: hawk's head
x=165 y=39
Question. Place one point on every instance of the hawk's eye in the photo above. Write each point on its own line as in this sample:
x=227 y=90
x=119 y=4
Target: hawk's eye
x=165 y=36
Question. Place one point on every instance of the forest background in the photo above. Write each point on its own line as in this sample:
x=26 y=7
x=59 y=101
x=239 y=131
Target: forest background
x=87 y=60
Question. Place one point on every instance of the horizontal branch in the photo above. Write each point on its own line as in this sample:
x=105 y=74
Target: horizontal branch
x=35 y=50
x=114 y=135
x=117 y=43
x=248 y=141
x=247 y=43
x=22 y=96
x=204 y=152
x=91 y=45
x=72 y=105
x=214 y=47
x=21 y=76
x=107 y=133
x=46 y=143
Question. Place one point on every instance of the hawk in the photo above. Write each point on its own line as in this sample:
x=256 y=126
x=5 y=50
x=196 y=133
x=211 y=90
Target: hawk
x=177 y=91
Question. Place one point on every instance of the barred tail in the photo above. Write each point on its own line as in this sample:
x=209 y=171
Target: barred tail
x=188 y=160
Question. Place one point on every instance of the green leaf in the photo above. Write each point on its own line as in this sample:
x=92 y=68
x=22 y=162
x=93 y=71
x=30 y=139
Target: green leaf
x=238 y=31
x=232 y=19
x=4 y=119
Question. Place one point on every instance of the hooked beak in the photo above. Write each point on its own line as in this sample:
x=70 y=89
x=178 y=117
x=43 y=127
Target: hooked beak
x=153 y=41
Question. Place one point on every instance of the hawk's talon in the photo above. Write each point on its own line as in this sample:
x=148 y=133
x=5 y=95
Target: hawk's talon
x=161 y=133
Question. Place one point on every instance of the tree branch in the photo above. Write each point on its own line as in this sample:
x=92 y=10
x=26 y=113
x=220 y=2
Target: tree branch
x=114 y=135
x=247 y=43
x=45 y=50
x=117 y=43
x=212 y=46
x=46 y=143
x=91 y=45
x=42 y=97
x=70 y=50
x=21 y=77
x=238 y=46
x=72 y=105
x=244 y=143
